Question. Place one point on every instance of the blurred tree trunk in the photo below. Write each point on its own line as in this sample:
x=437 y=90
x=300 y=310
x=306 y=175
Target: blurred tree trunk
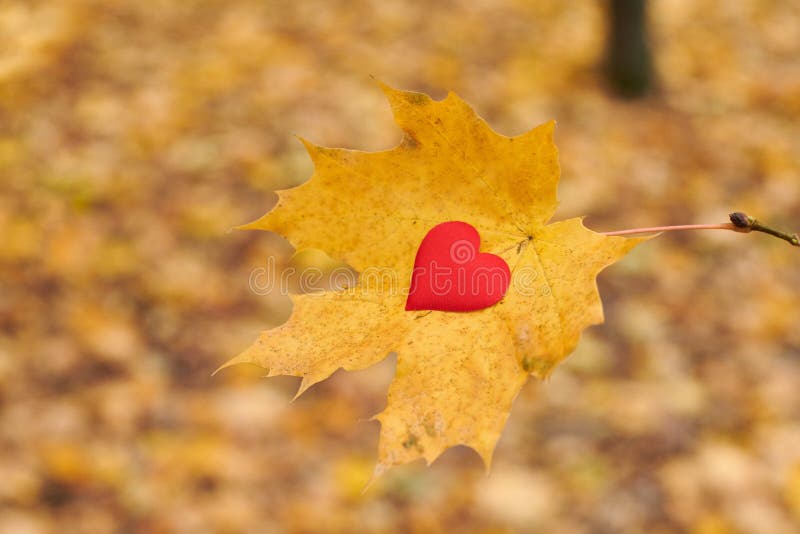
x=628 y=64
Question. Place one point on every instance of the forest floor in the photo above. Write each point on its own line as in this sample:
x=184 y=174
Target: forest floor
x=133 y=137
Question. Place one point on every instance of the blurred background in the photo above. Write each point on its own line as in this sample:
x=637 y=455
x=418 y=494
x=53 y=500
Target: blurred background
x=134 y=135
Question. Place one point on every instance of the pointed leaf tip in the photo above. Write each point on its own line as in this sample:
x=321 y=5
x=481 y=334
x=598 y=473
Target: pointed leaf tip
x=233 y=361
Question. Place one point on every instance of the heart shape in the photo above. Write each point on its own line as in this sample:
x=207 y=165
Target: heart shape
x=451 y=275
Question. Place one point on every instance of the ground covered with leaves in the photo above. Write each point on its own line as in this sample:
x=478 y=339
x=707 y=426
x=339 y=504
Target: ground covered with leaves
x=134 y=135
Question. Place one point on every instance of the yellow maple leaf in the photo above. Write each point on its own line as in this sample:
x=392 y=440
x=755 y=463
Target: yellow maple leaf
x=457 y=373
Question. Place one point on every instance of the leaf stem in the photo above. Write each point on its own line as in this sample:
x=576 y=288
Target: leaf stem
x=740 y=222
x=658 y=229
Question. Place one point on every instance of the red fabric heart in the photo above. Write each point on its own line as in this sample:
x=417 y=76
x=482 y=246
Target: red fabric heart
x=450 y=275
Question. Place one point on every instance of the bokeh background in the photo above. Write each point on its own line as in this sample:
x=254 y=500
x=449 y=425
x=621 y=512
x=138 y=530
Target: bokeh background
x=135 y=134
